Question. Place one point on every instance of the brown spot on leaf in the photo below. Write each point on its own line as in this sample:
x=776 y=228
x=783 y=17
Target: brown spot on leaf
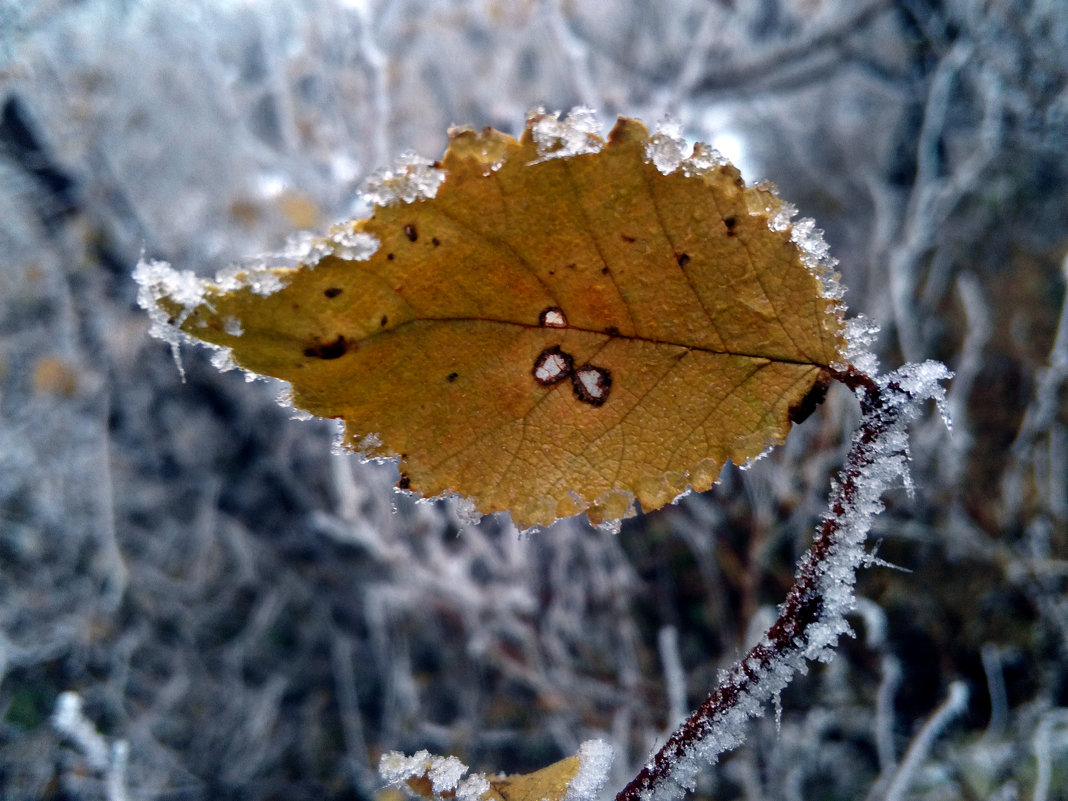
x=435 y=241
x=328 y=350
x=405 y=481
x=612 y=331
x=452 y=377
x=605 y=271
x=389 y=257
x=384 y=321
x=410 y=232
x=627 y=239
x=801 y=410
x=332 y=292
x=683 y=259
x=730 y=222
x=552 y=366
x=591 y=384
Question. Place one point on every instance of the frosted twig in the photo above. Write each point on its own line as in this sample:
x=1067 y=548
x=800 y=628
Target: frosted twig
x=954 y=704
x=674 y=676
x=349 y=711
x=1040 y=417
x=813 y=615
x=71 y=722
x=575 y=51
x=884 y=714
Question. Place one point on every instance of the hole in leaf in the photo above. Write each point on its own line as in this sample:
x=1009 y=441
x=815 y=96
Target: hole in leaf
x=591 y=384
x=552 y=366
x=552 y=317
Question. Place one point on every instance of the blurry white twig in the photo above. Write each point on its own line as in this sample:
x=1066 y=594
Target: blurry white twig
x=71 y=722
x=890 y=668
x=674 y=675
x=576 y=52
x=966 y=371
x=1040 y=416
x=377 y=66
x=1044 y=747
x=955 y=703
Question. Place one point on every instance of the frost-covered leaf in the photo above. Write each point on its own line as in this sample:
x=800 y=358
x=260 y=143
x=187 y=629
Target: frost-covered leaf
x=548 y=784
x=574 y=778
x=547 y=326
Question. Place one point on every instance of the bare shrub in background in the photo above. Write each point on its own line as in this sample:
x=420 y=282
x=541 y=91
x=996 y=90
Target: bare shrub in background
x=243 y=615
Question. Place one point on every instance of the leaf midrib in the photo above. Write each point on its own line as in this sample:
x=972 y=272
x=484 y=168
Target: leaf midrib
x=597 y=332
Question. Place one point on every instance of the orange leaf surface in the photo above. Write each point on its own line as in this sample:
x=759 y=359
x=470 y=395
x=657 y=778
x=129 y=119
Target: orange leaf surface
x=562 y=325
x=547 y=784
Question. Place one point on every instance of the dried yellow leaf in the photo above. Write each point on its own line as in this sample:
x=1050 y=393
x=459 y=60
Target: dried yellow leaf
x=547 y=784
x=563 y=325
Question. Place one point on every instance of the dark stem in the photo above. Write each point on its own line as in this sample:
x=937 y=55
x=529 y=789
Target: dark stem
x=803 y=605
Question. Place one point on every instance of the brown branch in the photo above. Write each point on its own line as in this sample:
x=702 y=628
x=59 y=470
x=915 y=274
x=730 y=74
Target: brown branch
x=789 y=636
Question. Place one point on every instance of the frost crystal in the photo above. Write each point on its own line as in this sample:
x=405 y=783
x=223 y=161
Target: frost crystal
x=352 y=245
x=411 y=178
x=472 y=788
x=284 y=398
x=782 y=212
x=157 y=280
x=595 y=760
x=815 y=255
x=445 y=774
x=704 y=159
x=859 y=333
x=343 y=242
x=465 y=512
x=303 y=247
x=666 y=148
x=610 y=527
x=574 y=135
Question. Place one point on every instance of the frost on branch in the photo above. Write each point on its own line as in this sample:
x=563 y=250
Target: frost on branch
x=576 y=778
x=813 y=616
